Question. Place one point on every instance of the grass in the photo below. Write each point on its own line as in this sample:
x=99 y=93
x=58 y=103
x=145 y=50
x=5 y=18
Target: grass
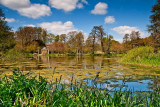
x=23 y=90
x=141 y=56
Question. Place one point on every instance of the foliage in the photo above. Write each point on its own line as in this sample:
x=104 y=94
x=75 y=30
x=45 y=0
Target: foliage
x=6 y=36
x=27 y=35
x=14 y=54
x=141 y=55
x=22 y=90
x=116 y=47
x=154 y=28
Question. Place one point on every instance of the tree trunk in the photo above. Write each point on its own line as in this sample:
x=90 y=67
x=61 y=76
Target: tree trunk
x=102 y=42
x=93 y=45
x=108 y=47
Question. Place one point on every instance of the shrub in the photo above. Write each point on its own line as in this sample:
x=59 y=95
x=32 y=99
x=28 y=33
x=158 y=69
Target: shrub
x=15 y=54
x=138 y=54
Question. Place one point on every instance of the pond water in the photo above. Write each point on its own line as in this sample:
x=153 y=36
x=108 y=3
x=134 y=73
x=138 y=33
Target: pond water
x=105 y=72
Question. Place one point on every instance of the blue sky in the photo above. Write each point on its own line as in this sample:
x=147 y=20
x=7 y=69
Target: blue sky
x=61 y=16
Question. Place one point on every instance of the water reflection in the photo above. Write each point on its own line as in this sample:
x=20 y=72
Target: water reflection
x=111 y=73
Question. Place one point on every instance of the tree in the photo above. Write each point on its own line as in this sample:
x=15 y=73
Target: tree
x=6 y=34
x=26 y=35
x=56 y=38
x=88 y=44
x=154 y=28
x=70 y=45
x=93 y=35
x=116 y=47
x=44 y=35
x=126 y=38
x=100 y=35
x=79 y=40
x=50 y=38
x=109 y=38
x=63 y=38
x=135 y=37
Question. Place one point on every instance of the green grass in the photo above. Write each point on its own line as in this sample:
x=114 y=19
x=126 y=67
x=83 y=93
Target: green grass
x=141 y=56
x=22 y=90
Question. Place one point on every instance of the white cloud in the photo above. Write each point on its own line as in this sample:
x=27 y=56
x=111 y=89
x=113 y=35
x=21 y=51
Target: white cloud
x=30 y=25
x=79 y=5
x=122 y=30
x=25 y=8
x=84 y=1
x=66 y=5
x=58 y=27
x=100 y=9
x=15 y=4
x=35 y=11
x=109 y=20
x=9 y=20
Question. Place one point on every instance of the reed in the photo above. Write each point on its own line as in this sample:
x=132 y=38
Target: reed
x=23 y=90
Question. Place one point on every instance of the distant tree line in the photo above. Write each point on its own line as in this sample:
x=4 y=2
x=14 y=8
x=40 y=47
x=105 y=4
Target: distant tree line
x=33 y=39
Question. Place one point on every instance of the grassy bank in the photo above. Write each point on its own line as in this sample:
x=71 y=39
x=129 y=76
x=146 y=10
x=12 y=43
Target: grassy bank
x=23 y=90
x=144 y=56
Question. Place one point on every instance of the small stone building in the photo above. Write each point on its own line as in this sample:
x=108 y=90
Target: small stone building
x=44 y=51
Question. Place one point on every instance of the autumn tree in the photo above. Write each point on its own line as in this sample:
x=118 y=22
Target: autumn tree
x=71 y=41
x=63 y=38
x=109 y=38
x=6 y=34
x=116 y=47
x=88 y=44
x=93 y=36
x=79 y=42
x=100 y=34
x=26 y=35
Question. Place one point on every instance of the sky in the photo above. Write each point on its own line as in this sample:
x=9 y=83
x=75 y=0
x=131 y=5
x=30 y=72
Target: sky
x=117 y=17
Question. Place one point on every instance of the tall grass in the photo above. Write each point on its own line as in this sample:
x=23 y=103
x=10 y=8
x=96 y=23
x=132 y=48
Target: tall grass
x=23 y=90
x=141 y=55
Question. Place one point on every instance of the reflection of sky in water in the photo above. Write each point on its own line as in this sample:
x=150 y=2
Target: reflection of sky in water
x=142 y=85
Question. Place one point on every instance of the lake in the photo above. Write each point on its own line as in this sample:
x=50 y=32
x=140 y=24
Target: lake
x=104 y=71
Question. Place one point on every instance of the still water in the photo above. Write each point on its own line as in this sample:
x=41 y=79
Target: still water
x=105 y=72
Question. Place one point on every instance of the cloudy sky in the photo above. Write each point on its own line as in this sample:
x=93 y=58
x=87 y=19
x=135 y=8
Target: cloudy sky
x=61 y=16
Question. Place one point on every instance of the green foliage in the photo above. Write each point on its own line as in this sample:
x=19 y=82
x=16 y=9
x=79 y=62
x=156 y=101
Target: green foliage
x=6 y=36
x=22 y=90
x=56 y=38
x=15 y=54
x=141 y=55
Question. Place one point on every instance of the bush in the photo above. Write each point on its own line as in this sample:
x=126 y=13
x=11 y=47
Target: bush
x=141 y=55
x=15 y=54
x=138 y=53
